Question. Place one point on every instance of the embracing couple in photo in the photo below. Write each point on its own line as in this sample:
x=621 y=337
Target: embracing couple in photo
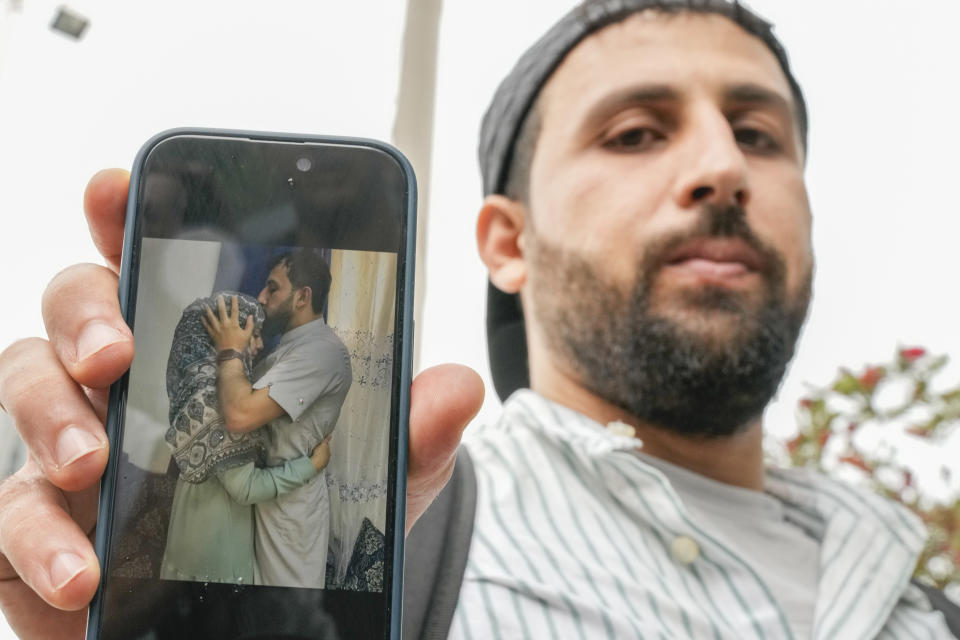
x=251 y=442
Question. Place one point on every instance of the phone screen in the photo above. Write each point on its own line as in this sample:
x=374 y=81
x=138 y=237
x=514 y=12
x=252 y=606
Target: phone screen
x=254 y=488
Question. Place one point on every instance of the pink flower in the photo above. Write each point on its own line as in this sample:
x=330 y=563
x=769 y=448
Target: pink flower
x=912 y=353
x=794 y=444
x=856 y=460
x=871 y=377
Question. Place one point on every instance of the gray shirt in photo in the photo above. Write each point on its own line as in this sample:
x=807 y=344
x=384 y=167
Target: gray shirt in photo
x=308 y=375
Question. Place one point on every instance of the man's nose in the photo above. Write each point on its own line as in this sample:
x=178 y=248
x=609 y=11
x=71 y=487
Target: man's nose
x=262 y=298
x=715 y=169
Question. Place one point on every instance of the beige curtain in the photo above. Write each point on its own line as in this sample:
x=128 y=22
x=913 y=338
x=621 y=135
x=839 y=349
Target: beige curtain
x=361 y=311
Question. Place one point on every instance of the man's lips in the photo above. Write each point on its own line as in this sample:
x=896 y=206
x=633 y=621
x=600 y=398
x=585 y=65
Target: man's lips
x=715 y=258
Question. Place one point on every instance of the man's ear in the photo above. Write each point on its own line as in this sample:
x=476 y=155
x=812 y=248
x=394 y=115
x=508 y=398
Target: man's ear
x=500 y=241
x=303 y=296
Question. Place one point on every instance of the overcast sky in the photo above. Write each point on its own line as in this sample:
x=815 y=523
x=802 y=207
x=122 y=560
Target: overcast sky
x=880 y=81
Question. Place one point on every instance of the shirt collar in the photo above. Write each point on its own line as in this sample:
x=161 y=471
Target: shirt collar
x=804 y=491
x=562 y=423
x=301 y=331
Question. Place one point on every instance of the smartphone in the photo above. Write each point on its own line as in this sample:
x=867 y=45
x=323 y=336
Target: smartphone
x=257 y=472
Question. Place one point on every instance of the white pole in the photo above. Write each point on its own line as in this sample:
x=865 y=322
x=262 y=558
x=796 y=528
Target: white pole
x=413 y=123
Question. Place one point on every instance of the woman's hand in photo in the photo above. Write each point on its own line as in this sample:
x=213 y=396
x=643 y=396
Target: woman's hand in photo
x=320 y=456
x=224 y=328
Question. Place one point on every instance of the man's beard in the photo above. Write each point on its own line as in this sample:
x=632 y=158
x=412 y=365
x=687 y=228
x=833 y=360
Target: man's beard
x=276 y=322
x=657 y=369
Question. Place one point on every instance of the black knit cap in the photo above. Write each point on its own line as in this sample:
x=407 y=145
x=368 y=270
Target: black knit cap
x=506 y=337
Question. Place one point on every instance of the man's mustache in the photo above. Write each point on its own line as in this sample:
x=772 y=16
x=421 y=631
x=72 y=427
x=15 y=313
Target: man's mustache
x=716 y=221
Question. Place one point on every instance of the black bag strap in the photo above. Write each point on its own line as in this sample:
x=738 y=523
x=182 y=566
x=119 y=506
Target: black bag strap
x=943 y=604
x=435 y=556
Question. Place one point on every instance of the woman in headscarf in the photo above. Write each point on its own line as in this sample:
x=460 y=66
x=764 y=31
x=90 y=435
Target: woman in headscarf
x=210 y=536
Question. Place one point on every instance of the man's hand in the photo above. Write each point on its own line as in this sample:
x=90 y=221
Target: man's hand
x=443 y=400
x=224 y=328
x=56 y=393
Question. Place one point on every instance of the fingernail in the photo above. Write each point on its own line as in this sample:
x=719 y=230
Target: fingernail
x=96 y=337
x=65 y=567
x=75 y=443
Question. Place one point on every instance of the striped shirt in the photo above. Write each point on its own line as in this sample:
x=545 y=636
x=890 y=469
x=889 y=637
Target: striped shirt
x=576 y=536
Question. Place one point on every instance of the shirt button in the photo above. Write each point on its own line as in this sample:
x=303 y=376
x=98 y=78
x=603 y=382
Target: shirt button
x=300 y=400
x=622 y=429
x=684 y=549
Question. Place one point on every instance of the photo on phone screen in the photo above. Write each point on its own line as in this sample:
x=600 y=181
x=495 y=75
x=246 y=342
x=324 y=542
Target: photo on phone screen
x=255 y=487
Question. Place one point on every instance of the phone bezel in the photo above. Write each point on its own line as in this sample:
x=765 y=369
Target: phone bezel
x=403 y=331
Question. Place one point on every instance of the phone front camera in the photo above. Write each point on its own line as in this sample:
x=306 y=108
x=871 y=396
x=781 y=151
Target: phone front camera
x=304 y=164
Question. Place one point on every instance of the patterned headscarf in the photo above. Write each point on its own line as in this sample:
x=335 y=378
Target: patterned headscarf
x=200 y=442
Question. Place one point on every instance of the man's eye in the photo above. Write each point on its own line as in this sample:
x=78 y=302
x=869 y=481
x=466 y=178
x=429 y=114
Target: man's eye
x=756 y=140
x=633 y=139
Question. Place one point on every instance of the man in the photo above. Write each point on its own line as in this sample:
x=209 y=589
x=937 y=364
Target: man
x=645 y=199
x=297 y=393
